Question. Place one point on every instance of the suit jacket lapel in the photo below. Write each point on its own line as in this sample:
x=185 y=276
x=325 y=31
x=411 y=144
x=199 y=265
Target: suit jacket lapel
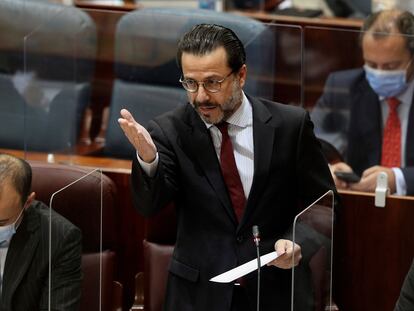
x=264 y=127
x=194 y=141
x=369 y=114
x=409 y=141
x=20 y=253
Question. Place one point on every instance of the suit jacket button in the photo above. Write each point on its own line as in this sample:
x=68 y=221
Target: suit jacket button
x=240 y=239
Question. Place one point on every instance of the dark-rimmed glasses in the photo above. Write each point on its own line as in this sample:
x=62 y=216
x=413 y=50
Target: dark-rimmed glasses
x=210 y=85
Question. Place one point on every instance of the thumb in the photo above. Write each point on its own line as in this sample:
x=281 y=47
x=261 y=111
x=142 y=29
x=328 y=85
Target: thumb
x=280 y=247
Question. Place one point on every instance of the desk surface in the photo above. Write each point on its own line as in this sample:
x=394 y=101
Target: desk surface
x=334 y=22
x=108 y=165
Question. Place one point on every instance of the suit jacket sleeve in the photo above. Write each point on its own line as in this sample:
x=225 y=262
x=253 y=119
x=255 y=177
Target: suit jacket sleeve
x=150 y=194
x=65 y=289
x=408 y=173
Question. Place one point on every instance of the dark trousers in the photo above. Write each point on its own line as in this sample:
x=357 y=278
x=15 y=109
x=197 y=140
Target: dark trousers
x=240 y=302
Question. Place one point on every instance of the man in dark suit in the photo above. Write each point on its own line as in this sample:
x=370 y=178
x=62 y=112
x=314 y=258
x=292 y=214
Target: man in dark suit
x=355 y=112
x=277 y=169
x=406 y=300
x=24 y=247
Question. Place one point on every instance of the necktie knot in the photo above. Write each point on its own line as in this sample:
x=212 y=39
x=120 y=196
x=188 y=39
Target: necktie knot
x=223 y=127
x=393 y=103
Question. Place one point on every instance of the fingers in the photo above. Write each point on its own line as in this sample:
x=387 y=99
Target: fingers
x=340 y=184
x=342 y=167
x=289 y=254
x=369 y=177
x=370 y=171
x=138 y=136
x=127 y=115
x=368 y=180
x=281 y=247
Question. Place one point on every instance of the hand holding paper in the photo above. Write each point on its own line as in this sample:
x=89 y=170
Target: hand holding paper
x=289 y=256
x=244 y=269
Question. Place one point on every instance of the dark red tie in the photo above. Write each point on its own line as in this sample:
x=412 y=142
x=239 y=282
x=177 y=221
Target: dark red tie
x=391 y=139
x=230 y=172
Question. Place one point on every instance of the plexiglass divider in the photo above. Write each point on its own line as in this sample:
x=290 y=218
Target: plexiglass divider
x=47 y=60
x=288 y=64
x=59 y=56
x=312 y=277
x=147 y=75
x=349 y=114
x=17 y=21
x=78 y=262
x=58 y=51
x=330 y=104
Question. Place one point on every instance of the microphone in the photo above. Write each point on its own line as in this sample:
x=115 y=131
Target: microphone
x=256 y=239
x=256 y=235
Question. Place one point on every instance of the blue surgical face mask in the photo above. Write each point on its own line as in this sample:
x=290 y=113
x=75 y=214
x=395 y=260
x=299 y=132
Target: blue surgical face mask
x=7 y=231
x=386 y=83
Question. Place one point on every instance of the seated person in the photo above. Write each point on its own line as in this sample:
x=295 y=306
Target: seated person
x=367 y=113
x=24 y=247
x=406 y=300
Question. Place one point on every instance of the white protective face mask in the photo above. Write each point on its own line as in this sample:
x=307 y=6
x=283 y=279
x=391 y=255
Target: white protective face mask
x=7 y=231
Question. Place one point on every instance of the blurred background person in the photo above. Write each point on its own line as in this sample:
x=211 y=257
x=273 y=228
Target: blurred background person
x=367 y=112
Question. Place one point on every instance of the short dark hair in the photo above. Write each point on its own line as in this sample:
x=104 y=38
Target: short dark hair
x=384 y=23
x=18 y=172
x=205 y=38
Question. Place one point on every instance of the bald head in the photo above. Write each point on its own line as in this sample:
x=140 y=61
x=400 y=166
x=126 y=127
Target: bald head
x=17 y=173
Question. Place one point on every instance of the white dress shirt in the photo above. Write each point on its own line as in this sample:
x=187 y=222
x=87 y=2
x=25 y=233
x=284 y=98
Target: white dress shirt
x=241 y=135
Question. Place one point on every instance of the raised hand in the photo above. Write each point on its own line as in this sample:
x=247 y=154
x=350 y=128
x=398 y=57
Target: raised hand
x=138 y=136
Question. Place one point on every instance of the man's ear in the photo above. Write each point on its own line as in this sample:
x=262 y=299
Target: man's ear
x=242 y=75
x=29 y=200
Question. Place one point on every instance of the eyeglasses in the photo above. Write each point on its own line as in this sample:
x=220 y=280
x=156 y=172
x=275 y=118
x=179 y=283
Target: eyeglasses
x=210 y=85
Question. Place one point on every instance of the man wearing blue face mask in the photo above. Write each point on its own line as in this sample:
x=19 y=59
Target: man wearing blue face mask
x=24 y=247
x=368 y=113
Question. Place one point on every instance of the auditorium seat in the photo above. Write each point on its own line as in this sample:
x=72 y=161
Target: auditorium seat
x=81 y=204
x=47 y=57
x=147 y=76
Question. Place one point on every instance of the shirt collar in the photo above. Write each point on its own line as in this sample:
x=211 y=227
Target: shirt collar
x=242 y=117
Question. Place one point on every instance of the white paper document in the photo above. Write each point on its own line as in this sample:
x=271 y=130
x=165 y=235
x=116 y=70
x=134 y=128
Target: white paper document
x=243 y=269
